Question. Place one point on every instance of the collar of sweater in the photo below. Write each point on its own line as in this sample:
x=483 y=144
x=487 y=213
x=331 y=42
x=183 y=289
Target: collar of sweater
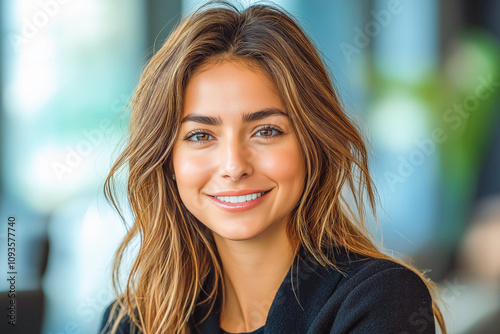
x=306 y=288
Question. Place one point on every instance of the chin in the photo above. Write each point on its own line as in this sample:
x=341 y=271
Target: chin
x=238 y=238
x=237 y=234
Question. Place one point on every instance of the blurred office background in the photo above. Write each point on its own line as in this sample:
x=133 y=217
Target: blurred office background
x=422 y=77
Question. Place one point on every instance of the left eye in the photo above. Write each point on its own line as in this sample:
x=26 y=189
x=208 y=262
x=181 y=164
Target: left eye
x=269 y=132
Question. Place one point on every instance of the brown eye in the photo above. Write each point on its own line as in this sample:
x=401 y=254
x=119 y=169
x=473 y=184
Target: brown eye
x=199 y=137
x=267 y=132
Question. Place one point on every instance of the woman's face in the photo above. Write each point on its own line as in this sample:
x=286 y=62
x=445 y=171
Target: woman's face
x=236 y=142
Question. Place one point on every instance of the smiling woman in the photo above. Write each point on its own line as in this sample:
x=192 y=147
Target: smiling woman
x=240 y=159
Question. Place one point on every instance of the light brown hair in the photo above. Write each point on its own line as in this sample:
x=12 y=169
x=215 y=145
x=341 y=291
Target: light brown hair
x=177 y=253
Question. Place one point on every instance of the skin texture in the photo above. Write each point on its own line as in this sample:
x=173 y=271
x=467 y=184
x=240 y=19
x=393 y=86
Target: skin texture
x=254 y=248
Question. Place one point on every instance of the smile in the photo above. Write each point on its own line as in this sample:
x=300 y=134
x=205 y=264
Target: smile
x=239 y=203
x=239 y=199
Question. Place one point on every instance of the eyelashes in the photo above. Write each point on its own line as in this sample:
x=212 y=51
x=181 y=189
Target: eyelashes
x=197 y=133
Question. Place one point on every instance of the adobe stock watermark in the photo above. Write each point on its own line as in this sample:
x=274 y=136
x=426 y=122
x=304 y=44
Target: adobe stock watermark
x=93 y=138
x=91 y=310
x=30 y=27
x=371 y=29
x=455 y=116
x=423 y=317
x=74 y=155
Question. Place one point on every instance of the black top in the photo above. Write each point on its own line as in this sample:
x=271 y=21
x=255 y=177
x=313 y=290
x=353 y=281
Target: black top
x=368 y=296
x=257 y=331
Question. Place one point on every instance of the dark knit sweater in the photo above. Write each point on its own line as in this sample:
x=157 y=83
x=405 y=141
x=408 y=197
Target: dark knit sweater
x=368 y=296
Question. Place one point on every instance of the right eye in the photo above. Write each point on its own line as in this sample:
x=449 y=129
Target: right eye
x=199 y=135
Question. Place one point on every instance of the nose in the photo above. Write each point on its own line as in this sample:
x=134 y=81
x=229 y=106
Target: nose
x=235 y=161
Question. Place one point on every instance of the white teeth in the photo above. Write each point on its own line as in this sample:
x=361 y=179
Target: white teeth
x=239 y=199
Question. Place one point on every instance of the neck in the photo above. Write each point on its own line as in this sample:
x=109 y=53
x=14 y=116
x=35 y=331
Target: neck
x=253 y=271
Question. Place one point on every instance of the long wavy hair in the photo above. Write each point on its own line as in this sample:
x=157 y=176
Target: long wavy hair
x=177 y=253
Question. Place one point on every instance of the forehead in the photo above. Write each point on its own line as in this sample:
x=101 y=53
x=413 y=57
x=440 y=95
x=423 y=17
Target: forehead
x=230 y=86
x=235 y=63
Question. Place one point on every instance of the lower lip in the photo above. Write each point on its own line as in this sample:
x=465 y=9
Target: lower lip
x=239 y=207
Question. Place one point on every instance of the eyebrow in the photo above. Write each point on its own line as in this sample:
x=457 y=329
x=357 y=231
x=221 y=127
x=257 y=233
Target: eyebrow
x=246 y=117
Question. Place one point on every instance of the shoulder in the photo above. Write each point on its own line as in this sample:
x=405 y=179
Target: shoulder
x=364 y=270
x=353 y=269
x=380 y=295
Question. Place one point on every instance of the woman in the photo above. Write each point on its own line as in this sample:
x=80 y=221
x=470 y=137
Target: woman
x=246 y=181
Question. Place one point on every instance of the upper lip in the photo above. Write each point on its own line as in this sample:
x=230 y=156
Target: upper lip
x=241 y=192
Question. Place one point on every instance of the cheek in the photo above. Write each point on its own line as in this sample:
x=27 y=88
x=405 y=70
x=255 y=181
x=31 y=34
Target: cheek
x=286 y=164
x=192 y=170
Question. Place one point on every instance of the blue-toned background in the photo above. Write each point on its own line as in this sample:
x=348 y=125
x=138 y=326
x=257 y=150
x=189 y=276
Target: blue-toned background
x=422 y=78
